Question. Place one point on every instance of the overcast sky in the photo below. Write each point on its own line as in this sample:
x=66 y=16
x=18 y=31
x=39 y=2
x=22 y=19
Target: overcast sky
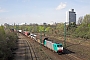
x=39 y=11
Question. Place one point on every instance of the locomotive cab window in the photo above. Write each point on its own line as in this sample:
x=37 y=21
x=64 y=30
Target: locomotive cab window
x=59 y=45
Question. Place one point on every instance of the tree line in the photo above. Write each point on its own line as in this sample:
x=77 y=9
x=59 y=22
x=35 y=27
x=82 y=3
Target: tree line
x=82 y=29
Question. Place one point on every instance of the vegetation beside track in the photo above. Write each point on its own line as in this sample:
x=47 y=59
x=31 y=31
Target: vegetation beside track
x=8 y=43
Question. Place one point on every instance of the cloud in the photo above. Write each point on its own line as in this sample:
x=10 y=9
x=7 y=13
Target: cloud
x=2 y=10
x=61 y=6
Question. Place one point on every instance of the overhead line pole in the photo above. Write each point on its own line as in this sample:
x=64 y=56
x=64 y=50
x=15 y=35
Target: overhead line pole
x=65 y=35
x=41 y=39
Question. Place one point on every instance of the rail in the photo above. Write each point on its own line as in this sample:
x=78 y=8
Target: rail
x=30 y=53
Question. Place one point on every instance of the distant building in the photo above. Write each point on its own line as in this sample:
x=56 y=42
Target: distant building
x=71 y=16
x=44 y=23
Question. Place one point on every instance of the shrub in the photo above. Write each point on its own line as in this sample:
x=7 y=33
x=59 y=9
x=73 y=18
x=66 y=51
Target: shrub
x=7 y=43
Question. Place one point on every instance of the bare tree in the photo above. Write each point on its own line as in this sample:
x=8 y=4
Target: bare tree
x=80 y=20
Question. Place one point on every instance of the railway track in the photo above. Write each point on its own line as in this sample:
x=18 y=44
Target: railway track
x=26 y=50
x=30 y=53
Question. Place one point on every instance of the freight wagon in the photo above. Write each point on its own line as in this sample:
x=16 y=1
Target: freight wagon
x=26 y=33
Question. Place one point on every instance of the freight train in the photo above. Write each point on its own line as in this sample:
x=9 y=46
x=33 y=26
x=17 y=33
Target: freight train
x=56 y=47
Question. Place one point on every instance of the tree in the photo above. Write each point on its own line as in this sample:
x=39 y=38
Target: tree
x=80 y=20
x=86 y=19
x=41 y=28
x=47 y=29
x=60 y=28
x=83 y=29
x=7 y=43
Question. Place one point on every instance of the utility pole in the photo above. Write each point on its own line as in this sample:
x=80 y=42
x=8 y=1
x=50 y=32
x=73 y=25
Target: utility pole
x=41 y=39
x=18 y=29
x=44 y=28
x=65 y=35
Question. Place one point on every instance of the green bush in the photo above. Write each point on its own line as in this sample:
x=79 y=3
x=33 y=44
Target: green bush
x=7 y=43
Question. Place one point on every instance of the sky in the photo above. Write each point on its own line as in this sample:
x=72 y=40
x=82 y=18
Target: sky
x=40 y=11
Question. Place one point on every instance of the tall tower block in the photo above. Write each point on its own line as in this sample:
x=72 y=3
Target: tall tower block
x=71 y=16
